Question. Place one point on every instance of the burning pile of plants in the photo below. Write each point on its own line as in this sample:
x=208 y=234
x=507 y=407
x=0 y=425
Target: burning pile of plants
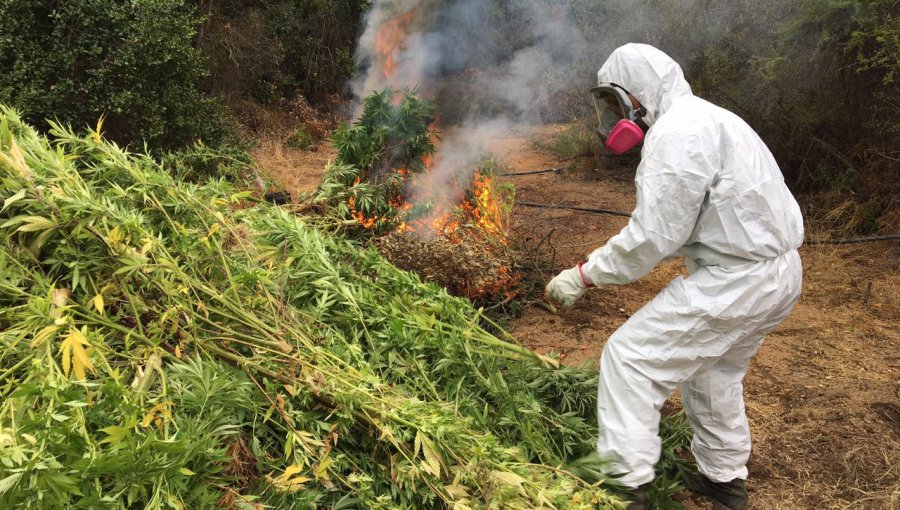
x=389 y=185
x=164 y=345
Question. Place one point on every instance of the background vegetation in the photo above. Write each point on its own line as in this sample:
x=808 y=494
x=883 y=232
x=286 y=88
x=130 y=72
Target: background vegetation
x=273 y=50
x=160 y=70
x=133 y=62
x=817 y=78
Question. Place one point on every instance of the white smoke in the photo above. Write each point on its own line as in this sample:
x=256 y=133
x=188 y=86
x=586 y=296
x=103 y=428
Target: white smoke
x=493 y=64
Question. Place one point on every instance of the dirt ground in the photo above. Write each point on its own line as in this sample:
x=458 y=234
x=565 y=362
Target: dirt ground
x=822 y=395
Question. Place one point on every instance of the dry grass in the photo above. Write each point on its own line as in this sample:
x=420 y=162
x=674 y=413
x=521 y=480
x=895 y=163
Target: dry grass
x=294 y=170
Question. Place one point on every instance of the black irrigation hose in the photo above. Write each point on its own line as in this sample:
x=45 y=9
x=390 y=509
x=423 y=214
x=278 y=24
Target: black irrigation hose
x=547 y=171
x=808 y=242
x=580 y=209
x=813 y=242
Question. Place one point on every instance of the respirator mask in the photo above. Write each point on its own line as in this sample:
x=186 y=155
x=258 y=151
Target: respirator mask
x=618 y=118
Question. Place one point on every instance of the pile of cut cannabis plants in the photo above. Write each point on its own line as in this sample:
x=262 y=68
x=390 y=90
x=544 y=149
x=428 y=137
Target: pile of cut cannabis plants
x=161 y=347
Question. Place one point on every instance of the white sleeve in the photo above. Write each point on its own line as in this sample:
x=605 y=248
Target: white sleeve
x=672 y=181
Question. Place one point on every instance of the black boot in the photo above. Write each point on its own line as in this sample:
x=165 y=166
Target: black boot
x=638 y=498
x=724 y=495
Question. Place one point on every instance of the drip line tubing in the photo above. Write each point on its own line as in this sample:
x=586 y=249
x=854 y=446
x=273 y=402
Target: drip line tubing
x=809 y=242
x=535 y=172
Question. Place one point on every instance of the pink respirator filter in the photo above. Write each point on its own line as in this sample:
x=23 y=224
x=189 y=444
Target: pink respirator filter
x=624 y=136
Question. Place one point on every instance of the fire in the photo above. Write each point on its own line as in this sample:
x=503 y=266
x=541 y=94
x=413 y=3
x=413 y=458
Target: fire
x=471 y=205
x=390 y=41
x=465 y=214
x=485 y=208
x=466 y=234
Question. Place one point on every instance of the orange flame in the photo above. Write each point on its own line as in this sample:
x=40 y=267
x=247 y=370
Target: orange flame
x=478 y=206
x=391 y=40
x=473 y=206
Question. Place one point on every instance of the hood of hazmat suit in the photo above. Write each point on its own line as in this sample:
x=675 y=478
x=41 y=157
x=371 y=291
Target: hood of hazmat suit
x=707 y=186
x=708 y=189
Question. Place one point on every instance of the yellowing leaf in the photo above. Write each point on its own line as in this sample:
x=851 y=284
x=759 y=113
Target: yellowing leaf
x=115 y=235
x=159 y=415
x=174 y=502
x=186 y=472
x=289 y=481
x=16 y=159
x=97 y=134
x=44 y=335
x=508 y=478
x=36 y=224
x=291 y=470
x=320 y=470
x=432 y=457
x=98 y=303
x=74 y=356
x=457 y=491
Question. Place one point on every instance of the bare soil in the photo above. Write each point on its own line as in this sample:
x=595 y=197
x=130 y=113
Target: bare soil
x=822 y=395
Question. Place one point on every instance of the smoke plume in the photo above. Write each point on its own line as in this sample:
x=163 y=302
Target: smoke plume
x=492 y=64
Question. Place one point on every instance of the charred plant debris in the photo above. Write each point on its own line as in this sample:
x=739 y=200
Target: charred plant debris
x=449 y=227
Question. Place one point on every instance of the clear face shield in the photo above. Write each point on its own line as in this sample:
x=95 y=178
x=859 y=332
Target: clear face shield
x=617 y=118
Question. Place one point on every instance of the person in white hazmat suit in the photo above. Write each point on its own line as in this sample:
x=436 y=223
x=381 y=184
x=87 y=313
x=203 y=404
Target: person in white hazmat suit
x=708 y=189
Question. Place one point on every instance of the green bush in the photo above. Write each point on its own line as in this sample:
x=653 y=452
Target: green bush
x=301 y=139
x=272 y=50
x=823 y=96
x=132 y=62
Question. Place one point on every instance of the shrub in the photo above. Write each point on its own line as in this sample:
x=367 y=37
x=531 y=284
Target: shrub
x=274 y=50
x=132 y=62
x=300 y=139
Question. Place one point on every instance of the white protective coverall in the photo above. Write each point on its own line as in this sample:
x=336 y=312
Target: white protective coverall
x=707 y=189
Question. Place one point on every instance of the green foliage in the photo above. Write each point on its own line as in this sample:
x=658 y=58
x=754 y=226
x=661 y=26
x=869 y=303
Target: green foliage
x=132 y=62
x=388 y=135
x=354 y=382
x=201 y=162
x=376 y=154
x=823 y=96
x=272 y=50
x=825 y=83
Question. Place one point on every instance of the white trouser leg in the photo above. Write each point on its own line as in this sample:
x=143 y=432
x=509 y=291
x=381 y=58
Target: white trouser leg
x=714 y=404
x=703 y=329
x=628 y=412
